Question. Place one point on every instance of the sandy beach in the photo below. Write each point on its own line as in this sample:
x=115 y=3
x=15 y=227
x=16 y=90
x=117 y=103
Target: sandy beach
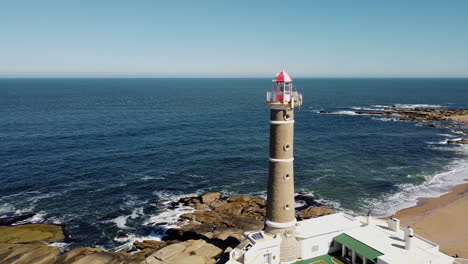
x=443 y=220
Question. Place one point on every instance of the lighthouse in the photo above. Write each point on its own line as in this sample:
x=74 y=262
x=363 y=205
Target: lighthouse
x=280 y=216
x=333 y=238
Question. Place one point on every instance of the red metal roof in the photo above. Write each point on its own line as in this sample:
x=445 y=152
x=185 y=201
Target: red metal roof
x=283 y=77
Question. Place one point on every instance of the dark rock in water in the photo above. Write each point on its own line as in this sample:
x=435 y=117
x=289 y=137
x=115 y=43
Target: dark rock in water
x=307 y=200
x=174 y=205
x=121 y=235
x=457 y=141
x=13 y=219
x=189 y=200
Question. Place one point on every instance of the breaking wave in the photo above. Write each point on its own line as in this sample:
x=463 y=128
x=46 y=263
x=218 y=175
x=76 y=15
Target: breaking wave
x=433 y=186
x=414 y=106
x=343 y=112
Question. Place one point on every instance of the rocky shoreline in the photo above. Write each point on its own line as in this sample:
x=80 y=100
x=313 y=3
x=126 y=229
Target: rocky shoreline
x=447 y=118
x=213 y=228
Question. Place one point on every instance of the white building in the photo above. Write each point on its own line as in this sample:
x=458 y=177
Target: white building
x=341 y=238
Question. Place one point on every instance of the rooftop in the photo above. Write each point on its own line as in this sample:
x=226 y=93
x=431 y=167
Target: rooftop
x=326 y=224
x=392 y=244
x=377 y=239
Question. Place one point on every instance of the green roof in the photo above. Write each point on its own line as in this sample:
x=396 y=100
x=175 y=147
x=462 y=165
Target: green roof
x=359 y=247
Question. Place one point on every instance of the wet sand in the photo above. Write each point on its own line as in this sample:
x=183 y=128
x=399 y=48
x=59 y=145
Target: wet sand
x=443 y=220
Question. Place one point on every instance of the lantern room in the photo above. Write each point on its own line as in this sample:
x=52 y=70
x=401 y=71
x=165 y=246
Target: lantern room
x=282 y=92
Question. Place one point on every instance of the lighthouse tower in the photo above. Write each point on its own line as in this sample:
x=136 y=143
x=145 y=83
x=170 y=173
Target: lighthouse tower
x=280 y=217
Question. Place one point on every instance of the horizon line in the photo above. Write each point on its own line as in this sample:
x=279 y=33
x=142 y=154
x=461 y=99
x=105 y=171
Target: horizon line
x=220 y=77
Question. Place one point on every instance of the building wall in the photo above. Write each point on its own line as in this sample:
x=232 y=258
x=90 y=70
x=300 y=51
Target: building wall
x=256 y=254
x=379 y=261
x=317 y=246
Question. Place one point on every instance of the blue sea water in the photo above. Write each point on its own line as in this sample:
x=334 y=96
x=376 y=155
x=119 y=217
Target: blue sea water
x=105 y=157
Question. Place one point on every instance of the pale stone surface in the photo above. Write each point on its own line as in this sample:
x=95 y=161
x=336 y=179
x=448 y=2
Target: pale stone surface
x=186 y=259
x=209 y=251
x=169 y=251
x=28 y=253
x=152 y=260
x=197 y=243
x=191 y=251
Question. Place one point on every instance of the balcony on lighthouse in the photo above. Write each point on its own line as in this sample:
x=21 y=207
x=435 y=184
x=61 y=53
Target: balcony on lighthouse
x=282 y=93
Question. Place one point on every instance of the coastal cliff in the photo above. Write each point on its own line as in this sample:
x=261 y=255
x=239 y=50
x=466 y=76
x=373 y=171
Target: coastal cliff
x=209 y=233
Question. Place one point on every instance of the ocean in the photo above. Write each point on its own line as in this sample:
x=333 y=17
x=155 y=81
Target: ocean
x=105 y=157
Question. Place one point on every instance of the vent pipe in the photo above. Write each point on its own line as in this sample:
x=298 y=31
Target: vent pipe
x=409 y=242
x=408 y=232
x=369 y=217
x=393 y=224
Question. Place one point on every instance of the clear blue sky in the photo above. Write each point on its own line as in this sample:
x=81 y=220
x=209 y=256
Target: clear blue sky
x=234 y=38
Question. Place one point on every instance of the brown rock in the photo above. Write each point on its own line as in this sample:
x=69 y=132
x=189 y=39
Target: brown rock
x=247 y=200
x=31 y=233
x=201 y=207
x=230 y=208
x=210 y=197
x=218 y=203
x=189 y=200
x=314 y=211
x=27 y=253
x=151 y=244
x=240 y=199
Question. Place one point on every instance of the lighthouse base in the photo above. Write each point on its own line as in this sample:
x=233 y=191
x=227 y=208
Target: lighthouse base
x=289 y=247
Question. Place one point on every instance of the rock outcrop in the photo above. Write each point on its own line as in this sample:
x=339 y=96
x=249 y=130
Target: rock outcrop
x=213 y=228
x=31 y=233
x=314 y=211
x=27 y=253
x=191 y=251
x=450 y=115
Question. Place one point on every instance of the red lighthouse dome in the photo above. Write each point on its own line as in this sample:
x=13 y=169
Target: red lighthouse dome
x=283 y=77
x=282 y=94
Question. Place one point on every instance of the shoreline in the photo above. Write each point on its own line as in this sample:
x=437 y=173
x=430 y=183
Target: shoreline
x=441 y=219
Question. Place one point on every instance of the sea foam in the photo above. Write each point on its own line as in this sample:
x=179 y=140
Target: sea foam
x=434 y=186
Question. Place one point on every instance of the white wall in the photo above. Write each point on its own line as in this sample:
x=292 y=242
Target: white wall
x=317 y=246
x=255 y=255
x=379 y=261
